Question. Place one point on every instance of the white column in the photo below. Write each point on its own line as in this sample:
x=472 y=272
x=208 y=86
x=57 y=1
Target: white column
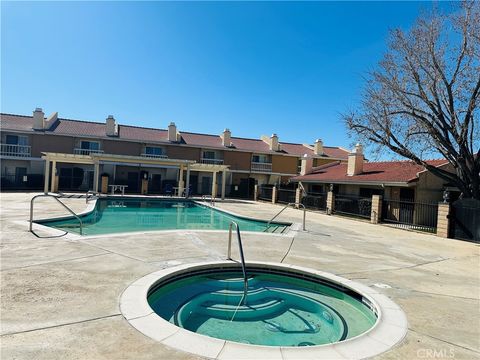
x=180 y=180
x=224 y=182
x=54 y=171
x=214 y=184
x=96 y=170
x=47 y=176
x=187 y=186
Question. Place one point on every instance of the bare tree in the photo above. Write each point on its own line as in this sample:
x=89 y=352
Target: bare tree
x=422 y=100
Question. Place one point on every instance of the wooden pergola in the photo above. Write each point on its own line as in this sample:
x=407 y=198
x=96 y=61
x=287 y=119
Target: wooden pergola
x=96 y=159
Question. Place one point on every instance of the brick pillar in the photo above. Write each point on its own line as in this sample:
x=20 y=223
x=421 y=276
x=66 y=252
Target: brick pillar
x=144 y=186
x=104 y=187
x=298 y=196
x=274 y=195
x=443 y=221
x=255 y=192
x=55 y=185
x=376 y=214
x=330 y=202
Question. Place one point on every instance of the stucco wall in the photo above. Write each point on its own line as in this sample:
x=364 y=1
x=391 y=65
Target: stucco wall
x=122 y=147
x=51 y=143
x=184 y=153
x=237 y=160
x=284 y=164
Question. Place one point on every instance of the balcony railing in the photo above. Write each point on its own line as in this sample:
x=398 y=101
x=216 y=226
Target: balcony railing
x=78 y=151
x=258 y=166
x=211 y=161
x=15 y=150
x=155 y=156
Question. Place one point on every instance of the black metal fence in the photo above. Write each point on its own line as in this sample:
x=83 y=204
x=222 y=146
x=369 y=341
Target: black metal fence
x=285 y=196
x=22 y=182
x=410 y=215
x=265 y=192
x=315 y=201
x=353 y=205
x=465 y=220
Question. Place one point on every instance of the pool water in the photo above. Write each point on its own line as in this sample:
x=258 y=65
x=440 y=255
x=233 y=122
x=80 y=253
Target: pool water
x=279 y=310
x=127 y=215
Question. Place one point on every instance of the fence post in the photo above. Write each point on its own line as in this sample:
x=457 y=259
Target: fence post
x=330 y=203
x=443 y=220
x=255 y=192
x=376 y=214
x=298 y=197
x=274 y=195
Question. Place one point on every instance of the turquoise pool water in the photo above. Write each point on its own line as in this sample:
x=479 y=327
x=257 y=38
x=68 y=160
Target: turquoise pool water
x=127 y=215
x=279 y=310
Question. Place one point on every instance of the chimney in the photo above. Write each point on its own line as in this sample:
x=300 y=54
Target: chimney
x=307 y=165
x=38 y=119
x=111 y=128
x=355 y=161
x=318 y=147
x=226 y=136
x=274 y=146
x=172 y=132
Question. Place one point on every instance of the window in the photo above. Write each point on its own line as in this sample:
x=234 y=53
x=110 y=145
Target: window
x=89 y=145
x=209 y=154
x=260 y=159
x=16 y=140
x=154 y=151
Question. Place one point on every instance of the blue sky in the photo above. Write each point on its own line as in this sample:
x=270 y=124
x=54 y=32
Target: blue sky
x=254 y=67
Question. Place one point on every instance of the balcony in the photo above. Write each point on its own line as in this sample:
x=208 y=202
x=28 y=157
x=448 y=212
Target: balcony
x=23 y=151
x=154 y=156
x=211 y=161
x=78 y=151
x=260 y=166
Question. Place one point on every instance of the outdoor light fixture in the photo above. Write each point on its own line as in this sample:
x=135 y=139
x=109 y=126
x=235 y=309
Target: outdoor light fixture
x=446 y=196
x=331 y=187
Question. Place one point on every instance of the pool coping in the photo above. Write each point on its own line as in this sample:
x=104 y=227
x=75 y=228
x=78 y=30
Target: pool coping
x=293 y=228
x=389 y=330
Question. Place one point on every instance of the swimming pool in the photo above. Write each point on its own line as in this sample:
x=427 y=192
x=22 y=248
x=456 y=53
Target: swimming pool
x=129 y=215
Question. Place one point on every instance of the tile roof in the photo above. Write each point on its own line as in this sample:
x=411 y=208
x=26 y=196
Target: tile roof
x=80 y=128
x=384 y=171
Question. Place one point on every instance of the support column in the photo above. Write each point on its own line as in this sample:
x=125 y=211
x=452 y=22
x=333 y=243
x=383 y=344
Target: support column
x=274 y=195
x=443 y=219
x=180 y=181
x=214 y=185
x=187 y=187
x=96 y=170
x=224 y=183
x=54 y=171
x=376 y=214
x=298 y=197
x=255 y=192
x=330 y=203
x=47 y=176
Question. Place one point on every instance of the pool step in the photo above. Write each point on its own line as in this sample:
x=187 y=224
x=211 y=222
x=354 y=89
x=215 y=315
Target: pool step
x=261 y=309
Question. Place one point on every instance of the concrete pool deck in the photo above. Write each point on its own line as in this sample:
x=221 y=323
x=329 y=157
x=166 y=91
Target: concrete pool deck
x=60 y=297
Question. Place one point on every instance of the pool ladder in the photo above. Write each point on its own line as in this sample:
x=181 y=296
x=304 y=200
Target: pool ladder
x=299 y=205
x=57 y=198
x=242 y=258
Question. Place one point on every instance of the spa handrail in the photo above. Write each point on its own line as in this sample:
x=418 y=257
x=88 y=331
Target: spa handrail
x=61 y=203
x=242 y=258
x=283 y=209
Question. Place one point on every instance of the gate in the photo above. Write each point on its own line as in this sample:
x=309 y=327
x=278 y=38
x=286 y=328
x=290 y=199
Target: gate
x=465 y=220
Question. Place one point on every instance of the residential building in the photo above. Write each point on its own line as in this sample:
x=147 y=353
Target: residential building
x=133 y=155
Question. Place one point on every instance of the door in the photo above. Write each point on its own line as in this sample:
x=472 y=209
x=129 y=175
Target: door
x=194 y=184
x=155 y=184
x=132 y=181
x=20 y=172
x=206 y=185
x=407 y=205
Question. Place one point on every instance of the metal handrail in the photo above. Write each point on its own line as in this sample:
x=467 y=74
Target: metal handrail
x=212 y=199
x=242 y=258
x=61 y=203
x=93 y=194
x=286 y=206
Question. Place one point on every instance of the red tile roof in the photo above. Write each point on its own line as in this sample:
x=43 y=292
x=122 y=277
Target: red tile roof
x=95 y=129
x=378 y=172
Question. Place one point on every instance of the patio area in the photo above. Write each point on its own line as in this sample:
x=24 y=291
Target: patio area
x=60 y=297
